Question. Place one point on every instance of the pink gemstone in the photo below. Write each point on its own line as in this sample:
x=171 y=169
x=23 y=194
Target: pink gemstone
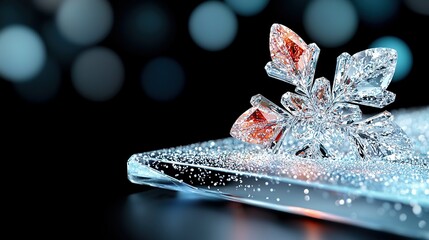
x=258 y=125
x=288 y=47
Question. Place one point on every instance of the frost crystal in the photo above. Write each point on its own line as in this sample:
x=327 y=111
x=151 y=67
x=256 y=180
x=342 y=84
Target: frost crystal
x=318 y=122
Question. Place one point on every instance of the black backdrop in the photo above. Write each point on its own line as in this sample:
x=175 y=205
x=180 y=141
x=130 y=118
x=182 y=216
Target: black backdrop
x=65 y=159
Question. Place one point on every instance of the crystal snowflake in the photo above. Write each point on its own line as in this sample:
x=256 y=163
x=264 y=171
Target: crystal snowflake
x=318 y=122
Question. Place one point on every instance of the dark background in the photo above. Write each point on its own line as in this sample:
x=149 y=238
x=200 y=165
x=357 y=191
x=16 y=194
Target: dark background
x=65 y=157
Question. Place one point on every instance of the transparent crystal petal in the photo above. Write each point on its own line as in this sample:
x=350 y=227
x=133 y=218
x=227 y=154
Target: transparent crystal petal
x=296 y=104
x=375 y=66
x=307 y=74
x=293 y=60
x=321 y=93
x=262 y=124
x=345 y=113
x=287 y=46
x=379 y=137
x=283 y=73
x=367 y=76
x=379 y=100
x=340 y=83
x=260 y=101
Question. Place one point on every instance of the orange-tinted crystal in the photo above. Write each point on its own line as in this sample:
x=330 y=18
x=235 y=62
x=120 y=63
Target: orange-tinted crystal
x=262 y=130
x=256 y=116
x=294 y=49
x=288 y=47
x=256 y=126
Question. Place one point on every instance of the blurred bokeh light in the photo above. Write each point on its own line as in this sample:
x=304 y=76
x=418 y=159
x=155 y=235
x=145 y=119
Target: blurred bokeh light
x=292 y=10
x=405 y=57
x=418 y=6
x=377 y=12
x=22 y=53
x=85 y=22
x=98 y=74
x=17 y=12
x=213 y=25
x=48 y=6
x=146 y=28
x=331 y=23
x=44 y=87
x=58 y=46
x=163 y=79
x=247 y=7
x=162 y=50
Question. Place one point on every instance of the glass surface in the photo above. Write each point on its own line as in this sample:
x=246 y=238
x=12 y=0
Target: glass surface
x=390 y=196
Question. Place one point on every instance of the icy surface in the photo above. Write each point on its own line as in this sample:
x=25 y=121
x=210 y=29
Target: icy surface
x=391 y=195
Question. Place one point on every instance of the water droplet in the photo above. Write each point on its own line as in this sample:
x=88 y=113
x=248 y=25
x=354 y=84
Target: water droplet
x=306 y=191
x=422 y=224
x=307 y=198
x=403 y=217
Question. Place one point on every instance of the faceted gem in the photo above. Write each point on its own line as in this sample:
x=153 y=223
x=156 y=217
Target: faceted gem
x=262 y=124
x=379 y=99
x=293 y=60
x=364 y=77
x=287 y=47
x=375 y=66
x=255 y=126
x=341 y=82
x=380 y=137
